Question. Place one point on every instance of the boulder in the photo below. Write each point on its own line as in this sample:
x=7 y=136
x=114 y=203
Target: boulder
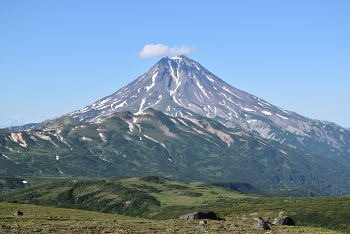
x=203 y=214
x=15 y=225
x=261 y=224
x=283 y=220
x=218 y=226
x=202 y=221
x=233 y=225
x=17 y=213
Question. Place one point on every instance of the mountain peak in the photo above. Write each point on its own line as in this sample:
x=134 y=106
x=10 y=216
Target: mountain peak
x=179 y=86
x=178 y=57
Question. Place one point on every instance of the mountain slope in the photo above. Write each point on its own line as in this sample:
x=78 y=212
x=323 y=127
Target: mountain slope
x=192 y=148
x=179 y=86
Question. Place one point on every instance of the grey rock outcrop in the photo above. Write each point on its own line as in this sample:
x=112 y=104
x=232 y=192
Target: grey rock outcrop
x=261 y=224
x=15 y=225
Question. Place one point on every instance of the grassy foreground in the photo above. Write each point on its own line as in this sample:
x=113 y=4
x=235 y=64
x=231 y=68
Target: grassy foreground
x=160 y=199
x=37 y=219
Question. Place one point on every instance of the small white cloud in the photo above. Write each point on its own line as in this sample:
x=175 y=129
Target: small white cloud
x=151 y=51
x=13 y=119
x=16 y=117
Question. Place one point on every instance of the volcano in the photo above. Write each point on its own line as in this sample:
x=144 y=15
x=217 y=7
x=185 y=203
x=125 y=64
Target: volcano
x=179 y=86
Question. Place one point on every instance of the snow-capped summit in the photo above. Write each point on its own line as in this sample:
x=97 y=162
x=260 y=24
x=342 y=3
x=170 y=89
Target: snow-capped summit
x=180 y=86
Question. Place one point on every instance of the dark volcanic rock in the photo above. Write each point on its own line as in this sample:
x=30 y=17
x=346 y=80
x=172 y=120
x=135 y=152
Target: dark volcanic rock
x=283 y=220
x=17 y=213
x=203 y=214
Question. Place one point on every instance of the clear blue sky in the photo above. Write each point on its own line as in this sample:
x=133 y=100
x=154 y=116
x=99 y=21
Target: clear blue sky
x=60 y=56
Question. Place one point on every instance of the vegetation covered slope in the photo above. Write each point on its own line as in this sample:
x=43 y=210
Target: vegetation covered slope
x=190 y=148
x=135 y=196
x=37 y=219
x=163 y=199
x=298 y=191
x=9 y=184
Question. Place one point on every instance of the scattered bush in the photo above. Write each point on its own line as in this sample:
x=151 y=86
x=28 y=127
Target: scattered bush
x=176 y=186
x=152 y=179
x=11 y=201
x=191 y=194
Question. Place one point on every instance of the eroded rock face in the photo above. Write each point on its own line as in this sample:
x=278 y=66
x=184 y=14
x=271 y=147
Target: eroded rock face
x=203 y=214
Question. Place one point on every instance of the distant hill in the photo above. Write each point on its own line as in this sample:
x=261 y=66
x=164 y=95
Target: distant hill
x=298 y=191
x=235 y=185
x=8 y=184
x=134 y=196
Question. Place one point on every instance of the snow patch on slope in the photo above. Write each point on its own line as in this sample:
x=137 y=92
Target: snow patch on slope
x=119 y=105
x=266 y=112
x=282 y=116
x=153 y=82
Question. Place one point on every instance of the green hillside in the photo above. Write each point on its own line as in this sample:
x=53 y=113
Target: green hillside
x=162 y=199
x=298 y=191
x=7 y=184
x=190 y=148
x=10 y=183
x=134 y=196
